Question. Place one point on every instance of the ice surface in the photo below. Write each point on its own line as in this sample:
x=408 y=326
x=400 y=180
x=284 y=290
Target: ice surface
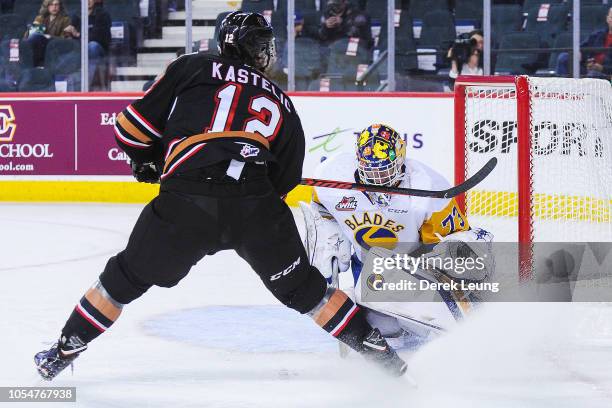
x=219 y=339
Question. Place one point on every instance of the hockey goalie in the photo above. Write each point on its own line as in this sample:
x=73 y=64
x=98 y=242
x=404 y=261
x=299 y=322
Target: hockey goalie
x=343 y=226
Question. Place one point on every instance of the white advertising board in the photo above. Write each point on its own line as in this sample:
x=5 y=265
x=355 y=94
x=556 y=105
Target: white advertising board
x=331 y=125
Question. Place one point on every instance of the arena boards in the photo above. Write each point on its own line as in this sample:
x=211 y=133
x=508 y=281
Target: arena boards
x=59 y=147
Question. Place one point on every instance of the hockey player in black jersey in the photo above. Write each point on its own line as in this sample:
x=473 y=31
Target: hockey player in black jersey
x=227 y=145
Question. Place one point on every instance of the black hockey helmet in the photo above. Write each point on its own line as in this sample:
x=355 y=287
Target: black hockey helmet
x=247 y=37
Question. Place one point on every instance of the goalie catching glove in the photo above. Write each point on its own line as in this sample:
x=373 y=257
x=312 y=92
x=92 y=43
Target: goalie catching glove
x=146 y=172
x=324 y=242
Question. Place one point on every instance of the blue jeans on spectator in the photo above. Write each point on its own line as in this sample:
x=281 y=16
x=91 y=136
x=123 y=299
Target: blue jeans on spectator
x=563 y=64
x=96 y=58
x=563 y=68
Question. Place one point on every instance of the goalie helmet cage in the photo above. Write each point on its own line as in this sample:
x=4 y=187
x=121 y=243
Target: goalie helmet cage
x=552 y=138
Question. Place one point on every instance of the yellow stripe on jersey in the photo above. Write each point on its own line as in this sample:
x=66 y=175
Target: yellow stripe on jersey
x=315 y=196
x=444 y=222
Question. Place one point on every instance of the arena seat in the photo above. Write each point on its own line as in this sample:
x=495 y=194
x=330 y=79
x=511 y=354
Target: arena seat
x=12 y=26
x=505 y=18
x=438 y=30
x=405 y=44
x=593 y=16
x=344 y=64
x=257 y=6
x=517 y=63
x=530 y=4
x=419 y=8
x=548 y=28
x=36 y=80
x=308 y=61
x=377 y=10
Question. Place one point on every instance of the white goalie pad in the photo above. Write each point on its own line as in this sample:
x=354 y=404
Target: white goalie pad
x=424 y=315
x=476 y=244
x=324 y=242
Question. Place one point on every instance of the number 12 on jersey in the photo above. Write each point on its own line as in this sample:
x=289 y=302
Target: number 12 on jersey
x=266 y=114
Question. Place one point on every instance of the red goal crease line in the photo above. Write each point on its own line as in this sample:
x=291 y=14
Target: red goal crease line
x=545 y=206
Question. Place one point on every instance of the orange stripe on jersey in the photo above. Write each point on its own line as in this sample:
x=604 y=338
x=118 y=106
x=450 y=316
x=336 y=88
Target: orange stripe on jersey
x=202 y=137
x=325 y=314
x=102 y=304
x=132 y=130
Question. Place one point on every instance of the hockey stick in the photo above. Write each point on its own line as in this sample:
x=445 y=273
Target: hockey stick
x=449 y=193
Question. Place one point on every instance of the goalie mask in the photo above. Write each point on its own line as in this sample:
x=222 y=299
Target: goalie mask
x=381 y=152
x=249 y=38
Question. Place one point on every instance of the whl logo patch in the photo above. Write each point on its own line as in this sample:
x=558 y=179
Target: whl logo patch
x=249 y=151
x=347 y=204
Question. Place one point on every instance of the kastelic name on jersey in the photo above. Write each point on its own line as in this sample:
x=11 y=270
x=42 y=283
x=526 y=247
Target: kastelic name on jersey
x=229 y=73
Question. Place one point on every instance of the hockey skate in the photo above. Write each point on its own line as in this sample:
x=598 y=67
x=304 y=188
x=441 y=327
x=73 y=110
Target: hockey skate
x=50 y=363
x=376 y=349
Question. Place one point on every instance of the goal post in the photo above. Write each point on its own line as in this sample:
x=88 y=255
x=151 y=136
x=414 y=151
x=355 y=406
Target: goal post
x=553 y=141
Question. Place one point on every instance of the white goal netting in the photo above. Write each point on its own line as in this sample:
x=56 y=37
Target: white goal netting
x=571 y=159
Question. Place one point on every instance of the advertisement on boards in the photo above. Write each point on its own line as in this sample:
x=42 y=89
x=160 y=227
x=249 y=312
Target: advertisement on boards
x=74 y=137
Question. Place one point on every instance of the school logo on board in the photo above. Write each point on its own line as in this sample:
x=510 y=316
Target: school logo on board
x=7 y=123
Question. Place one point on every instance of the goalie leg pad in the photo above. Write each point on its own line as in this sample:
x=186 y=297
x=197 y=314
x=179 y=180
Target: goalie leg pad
x=324 y=241
x=475 y=243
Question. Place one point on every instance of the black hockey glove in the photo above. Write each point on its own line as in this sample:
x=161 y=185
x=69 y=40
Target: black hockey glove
x=146 y=172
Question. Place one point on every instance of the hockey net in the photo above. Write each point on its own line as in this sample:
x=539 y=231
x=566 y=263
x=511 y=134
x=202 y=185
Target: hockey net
x=553 y=141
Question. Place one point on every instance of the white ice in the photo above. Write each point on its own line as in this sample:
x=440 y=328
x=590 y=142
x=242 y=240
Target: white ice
x=219 y=339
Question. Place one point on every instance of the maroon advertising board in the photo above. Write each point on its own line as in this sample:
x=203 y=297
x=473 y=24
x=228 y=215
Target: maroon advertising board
x=61 y=134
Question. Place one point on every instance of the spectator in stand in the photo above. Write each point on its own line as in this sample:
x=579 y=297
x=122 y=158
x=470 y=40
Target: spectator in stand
x=50 y=22
x=99 y=34
x=594 y=64
x=466 y=55
x=342 y=19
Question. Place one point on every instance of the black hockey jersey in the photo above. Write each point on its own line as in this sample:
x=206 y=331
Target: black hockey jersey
x=207 y=109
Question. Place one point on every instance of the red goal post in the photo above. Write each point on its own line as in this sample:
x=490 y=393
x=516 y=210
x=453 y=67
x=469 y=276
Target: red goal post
x=552 y=138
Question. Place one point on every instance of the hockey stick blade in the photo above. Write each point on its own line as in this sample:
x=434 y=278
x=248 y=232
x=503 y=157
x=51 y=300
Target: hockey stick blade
x=449 y=193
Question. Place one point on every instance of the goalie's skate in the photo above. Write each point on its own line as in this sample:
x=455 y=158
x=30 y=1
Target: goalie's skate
x=50 y=363
x=376 y=349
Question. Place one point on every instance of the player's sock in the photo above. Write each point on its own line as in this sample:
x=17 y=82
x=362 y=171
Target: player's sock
x=93 y=315
x=342 y=318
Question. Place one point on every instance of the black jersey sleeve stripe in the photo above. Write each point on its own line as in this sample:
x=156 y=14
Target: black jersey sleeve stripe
x=132 y=128
x=138 y=118
x=124 y=139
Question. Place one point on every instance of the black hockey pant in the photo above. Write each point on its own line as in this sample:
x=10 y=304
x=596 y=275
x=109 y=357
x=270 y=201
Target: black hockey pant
x=191 y=219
